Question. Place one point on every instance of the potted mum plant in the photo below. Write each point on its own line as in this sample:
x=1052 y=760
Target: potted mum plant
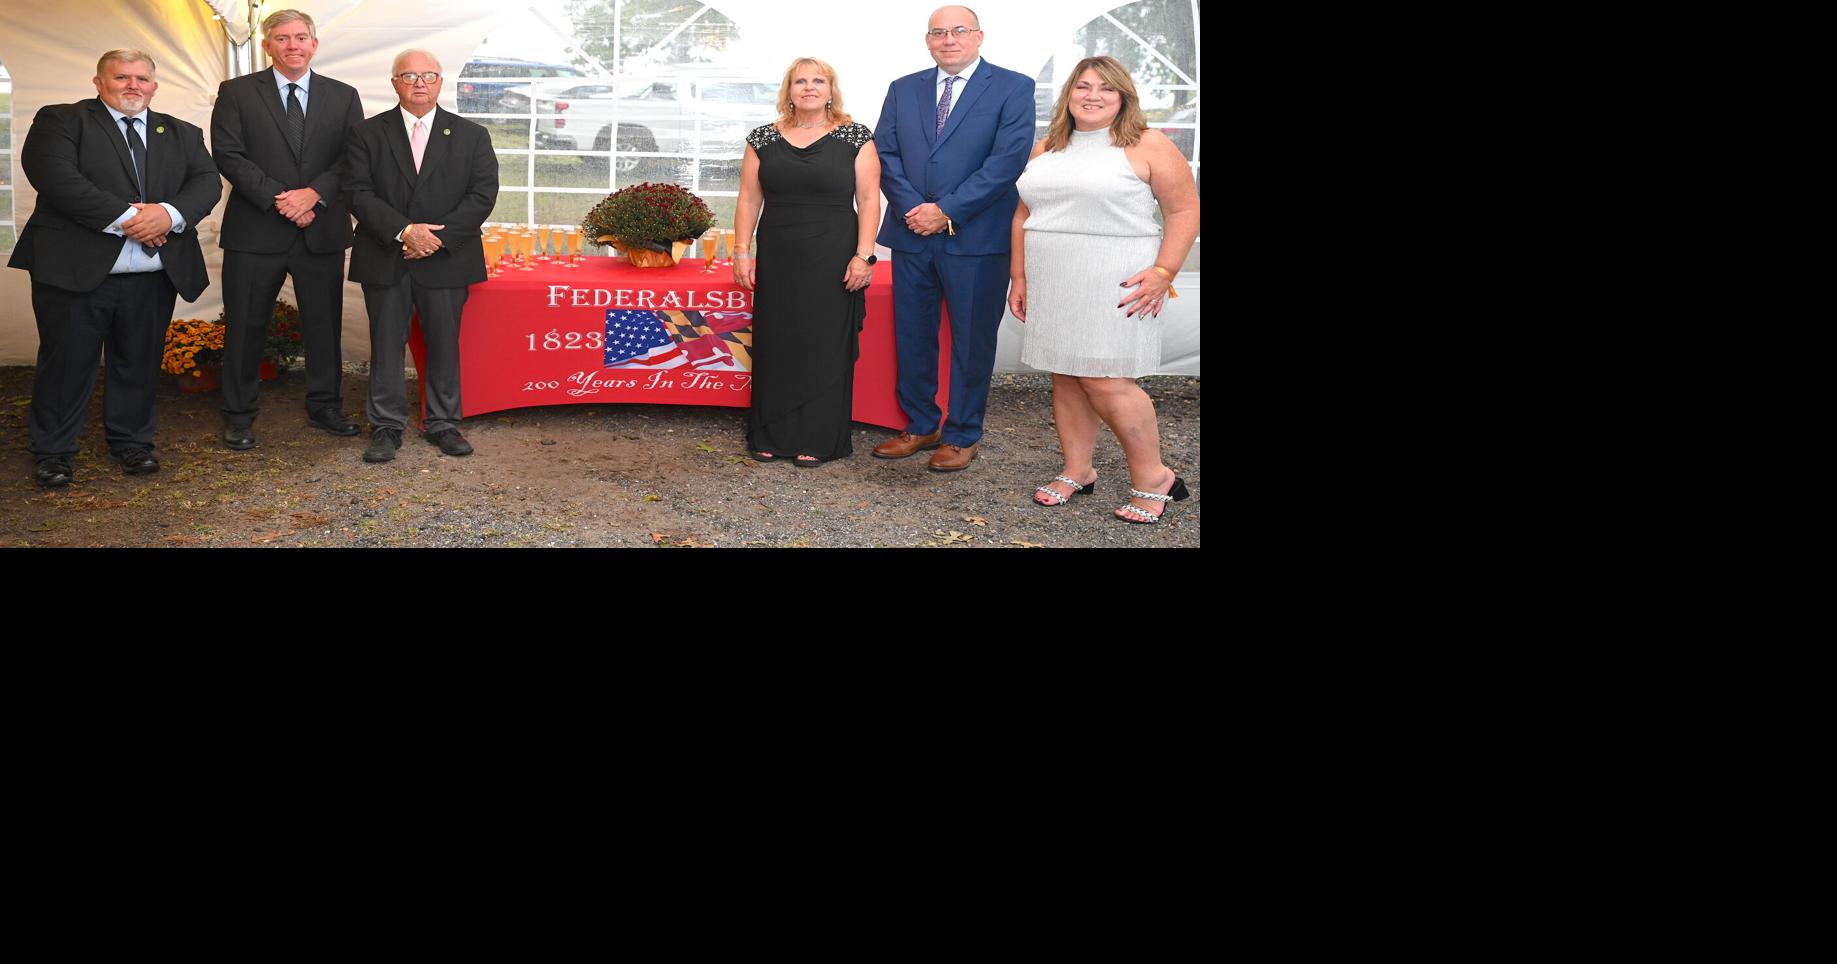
x=652 y=225
x=194 y=353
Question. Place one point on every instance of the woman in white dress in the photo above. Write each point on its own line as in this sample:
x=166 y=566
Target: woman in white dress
x=1091 y=271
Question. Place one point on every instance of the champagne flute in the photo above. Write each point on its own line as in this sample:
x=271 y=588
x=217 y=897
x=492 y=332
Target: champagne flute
x=711 y=240
x=542 y=243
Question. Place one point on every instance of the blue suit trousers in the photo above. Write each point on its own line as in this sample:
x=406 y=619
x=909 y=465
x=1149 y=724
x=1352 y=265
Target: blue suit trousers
x=975 y=289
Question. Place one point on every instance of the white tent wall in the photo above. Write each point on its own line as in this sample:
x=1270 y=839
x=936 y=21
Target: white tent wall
x=869 y=45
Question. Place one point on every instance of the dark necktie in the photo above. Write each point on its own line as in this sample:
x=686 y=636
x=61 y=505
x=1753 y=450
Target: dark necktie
x=296 y=120
x=138 y=148
x=944 y=104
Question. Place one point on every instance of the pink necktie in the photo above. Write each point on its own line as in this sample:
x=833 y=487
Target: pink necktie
x=418 y=143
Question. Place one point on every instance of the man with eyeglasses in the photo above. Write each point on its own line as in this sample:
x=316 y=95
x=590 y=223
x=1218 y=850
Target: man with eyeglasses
x=111 y=246
x=952 y=141
x=278 y=136
x=421 y=181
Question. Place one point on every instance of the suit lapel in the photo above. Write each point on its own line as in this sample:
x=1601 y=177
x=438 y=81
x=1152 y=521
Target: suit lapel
x=437 y=141
x=111 y=132
x=317 y=111
x=162 y=159
x=271 y=99
x=970 y=93
x=398 y=143
x=928 y=94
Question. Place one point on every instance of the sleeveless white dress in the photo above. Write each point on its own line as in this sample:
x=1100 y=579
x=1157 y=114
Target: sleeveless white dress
x=1090 y=225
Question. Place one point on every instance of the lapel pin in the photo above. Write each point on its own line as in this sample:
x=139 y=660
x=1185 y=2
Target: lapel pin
x=160 y=129
x=448 y=131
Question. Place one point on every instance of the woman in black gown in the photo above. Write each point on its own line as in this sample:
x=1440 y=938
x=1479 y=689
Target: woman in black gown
x=820 y=190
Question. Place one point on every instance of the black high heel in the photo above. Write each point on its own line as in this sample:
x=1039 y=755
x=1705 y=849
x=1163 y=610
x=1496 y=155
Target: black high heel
x=1059 y=499
x=1140 y=516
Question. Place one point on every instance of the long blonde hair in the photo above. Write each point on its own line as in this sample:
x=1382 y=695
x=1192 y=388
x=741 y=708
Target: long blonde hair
x=787 y=115
x=1125 y=131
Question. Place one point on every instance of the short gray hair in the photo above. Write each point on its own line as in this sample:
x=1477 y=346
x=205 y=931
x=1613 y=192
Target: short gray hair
x=281 y=18
x=126 y=55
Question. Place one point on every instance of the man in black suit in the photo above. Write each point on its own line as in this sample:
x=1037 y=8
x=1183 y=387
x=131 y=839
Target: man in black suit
x=111 y=246
x=278 y=136
x=421 y=181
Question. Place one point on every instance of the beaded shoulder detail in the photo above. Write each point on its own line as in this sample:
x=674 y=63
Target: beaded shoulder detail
x=855 y=134
x=761 y=136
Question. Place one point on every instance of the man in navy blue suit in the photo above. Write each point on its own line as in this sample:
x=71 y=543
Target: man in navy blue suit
x=952 y=142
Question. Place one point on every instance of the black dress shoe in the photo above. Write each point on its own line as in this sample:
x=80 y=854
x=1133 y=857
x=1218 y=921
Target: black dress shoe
x=332 y=420
x=450 y=442
x=383 y=443
x=239 y=437
x=136 y=461
x=53 y=472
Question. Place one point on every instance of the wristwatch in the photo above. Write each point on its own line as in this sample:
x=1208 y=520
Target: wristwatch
x=869 y=257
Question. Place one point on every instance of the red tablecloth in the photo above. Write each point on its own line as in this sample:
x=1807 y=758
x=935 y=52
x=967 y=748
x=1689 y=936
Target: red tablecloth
x=679 y=337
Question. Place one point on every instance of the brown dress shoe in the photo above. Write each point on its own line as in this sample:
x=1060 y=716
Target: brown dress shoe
x=950 y=458
x=905 y=443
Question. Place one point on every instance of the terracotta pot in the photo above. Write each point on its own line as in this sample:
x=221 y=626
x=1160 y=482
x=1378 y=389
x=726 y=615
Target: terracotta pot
x=646 y=258
x=270 y=371
x=205 y=378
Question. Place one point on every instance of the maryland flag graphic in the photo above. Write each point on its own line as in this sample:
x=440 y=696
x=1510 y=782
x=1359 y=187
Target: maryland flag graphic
x=707 y=340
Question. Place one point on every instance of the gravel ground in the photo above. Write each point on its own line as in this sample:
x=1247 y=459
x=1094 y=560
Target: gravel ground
x=629 y=475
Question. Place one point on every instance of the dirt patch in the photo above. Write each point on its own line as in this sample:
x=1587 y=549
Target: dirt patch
x=576 y=475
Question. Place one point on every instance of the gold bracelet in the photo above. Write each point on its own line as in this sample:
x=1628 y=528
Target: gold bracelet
x=1163 y=272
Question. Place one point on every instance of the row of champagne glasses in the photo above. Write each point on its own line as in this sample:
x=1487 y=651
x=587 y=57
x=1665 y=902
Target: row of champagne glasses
x=522 y=247
x=515 y=247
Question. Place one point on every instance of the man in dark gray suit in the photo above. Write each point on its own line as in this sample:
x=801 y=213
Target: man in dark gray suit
x=111 y=246
x=421 y=181
x=278 y=135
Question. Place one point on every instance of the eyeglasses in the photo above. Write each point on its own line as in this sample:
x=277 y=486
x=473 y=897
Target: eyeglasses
x=938 y=33
x=426 y=77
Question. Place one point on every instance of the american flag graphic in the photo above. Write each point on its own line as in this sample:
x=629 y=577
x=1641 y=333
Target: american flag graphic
x=636 y=334
x=720 y=341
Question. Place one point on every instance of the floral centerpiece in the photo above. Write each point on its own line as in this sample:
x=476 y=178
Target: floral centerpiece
x=652 y=224
x=194 y=352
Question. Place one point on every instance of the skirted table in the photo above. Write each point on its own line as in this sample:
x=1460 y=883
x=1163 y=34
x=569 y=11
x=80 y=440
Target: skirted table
x=608 y=332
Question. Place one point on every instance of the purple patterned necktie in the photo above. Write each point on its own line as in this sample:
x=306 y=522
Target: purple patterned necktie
x=944 y=104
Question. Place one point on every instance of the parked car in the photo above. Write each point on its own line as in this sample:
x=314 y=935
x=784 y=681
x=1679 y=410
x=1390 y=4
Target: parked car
x=483 y=83
x=671 y=116
x=1183 y=137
